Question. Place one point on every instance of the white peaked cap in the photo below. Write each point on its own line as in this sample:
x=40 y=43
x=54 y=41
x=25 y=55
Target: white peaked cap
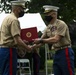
x=48 y=8
x=19 y=3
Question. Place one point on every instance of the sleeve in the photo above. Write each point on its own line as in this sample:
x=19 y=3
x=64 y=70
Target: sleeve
x=44 y=35
x=15 y=28
x=61 y=29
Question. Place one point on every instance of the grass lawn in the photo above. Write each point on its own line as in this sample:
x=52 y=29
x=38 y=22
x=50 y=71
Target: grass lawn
x=49 y=66
x=50 y=62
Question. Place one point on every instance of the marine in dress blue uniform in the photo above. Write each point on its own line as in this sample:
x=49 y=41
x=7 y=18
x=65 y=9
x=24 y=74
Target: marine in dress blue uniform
x=58 y=35
x=10 y=39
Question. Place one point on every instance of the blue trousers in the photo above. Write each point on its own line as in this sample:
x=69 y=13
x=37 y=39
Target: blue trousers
x=8 y=61
x=64 y=62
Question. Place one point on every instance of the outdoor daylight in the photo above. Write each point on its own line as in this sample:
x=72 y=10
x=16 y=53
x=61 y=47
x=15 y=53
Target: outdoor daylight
x=37 y=37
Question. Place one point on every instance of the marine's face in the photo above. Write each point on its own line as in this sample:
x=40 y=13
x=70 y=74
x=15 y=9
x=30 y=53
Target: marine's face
x=48 y=17
x=21 y=11
x=52 y=13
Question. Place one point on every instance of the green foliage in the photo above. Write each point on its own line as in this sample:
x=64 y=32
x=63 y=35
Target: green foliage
x=36 y=5
x=42 y=57
x=67 y=10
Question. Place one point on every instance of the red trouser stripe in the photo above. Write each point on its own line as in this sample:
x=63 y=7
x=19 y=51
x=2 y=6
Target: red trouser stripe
x=68 y=61
x=11 y=61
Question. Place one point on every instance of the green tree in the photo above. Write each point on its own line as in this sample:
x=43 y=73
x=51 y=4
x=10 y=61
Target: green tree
x=67 y=10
